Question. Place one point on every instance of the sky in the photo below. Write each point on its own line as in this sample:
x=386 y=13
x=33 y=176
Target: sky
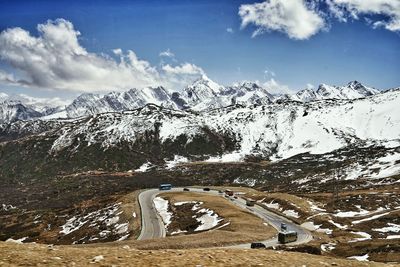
x=64 y=48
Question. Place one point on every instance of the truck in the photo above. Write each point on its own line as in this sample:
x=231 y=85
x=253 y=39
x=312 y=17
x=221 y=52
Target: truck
x=228 y=192
x=287 y=236
x=250 y=202
x=165 y=187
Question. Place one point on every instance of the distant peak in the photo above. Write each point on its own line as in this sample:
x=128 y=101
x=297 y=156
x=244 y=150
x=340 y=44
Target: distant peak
x=354 y=83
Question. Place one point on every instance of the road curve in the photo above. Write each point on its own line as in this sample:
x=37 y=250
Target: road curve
x=153 y=227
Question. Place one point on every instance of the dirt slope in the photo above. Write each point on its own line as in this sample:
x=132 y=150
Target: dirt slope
x=41 y=255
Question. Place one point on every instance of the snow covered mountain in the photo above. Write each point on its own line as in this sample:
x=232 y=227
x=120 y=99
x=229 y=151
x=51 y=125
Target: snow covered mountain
x=88 y=104
x=327 y=130
x=352 y=90
x=202 y=95
x=273 y=131
x=11 y=111
x=23 y=107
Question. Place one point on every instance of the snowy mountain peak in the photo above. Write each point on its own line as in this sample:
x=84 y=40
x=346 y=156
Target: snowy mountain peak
x=202 y=95
x=205 y=82
x=305 y=95
x=361 y=89
x=3 y=96
x=203 y=89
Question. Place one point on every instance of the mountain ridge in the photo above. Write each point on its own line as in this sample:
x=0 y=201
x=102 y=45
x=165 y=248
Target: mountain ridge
x=203 y=94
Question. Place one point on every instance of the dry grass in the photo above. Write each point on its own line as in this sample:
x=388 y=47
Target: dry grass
x=129 y=207
x=41 y=255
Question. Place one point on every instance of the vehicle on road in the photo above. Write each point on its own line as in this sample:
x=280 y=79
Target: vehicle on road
x=250 y=202
x=287 y=237
x=165 y=187
x=206 y=189
x=283 y=227
x=235 y=197
x=229 y=192
x=220 y=191
x=186 y=189
x=257 y=245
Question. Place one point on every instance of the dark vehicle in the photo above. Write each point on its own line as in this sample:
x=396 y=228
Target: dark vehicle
x=257 y=245
x=229 y=192
x=235 y=197
x=165 y=187
x=206 y=189
x=250 y=202
x=283 y=227
x=287 y=237
x=186 y=189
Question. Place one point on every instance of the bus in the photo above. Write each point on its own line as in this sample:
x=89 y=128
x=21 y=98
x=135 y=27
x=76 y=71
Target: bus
x=287 y=237
x=165 y=187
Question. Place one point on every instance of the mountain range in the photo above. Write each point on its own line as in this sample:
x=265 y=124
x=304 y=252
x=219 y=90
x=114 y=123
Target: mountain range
x=202 y=95
x=210 y=123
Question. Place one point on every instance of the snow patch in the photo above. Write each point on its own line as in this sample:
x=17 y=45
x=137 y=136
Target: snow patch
x=360 y=258
x=275 y=206
x=364 y=236
x=144 y=168
x=393 y=237
x=177 y=159
x=291 y=213
x=18 y=241
x=246 y=181
x=161 y=206
x=208 y=220
x=328 y=247
x=370 y=218
x=392 y=227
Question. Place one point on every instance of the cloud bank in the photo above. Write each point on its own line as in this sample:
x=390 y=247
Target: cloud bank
x=356 y=8
x=56 y=60
x=295 y=18
x=301 y=19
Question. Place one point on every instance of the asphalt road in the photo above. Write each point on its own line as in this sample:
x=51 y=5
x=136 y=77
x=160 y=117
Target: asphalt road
x=153 y=227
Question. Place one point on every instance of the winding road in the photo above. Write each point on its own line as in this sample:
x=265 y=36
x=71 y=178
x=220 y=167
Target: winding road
x=153 y=227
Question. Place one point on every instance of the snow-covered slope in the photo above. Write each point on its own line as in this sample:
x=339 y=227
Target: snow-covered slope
x=273 y=131
x=352 y=90
x=12 y=111
x=23 y=107
x=202 y=95
x=88 y=104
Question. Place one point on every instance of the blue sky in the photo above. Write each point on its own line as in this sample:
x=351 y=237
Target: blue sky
x=196 y=33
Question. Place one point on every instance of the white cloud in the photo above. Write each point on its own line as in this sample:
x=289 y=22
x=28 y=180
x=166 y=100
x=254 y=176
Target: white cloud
x=182 y=74
x=275 y=87
x=295 y=18
x=118 y=51
x=167 y=53
x=230 y=30
x=7 y=78
x=310 y=86
x=185 y=68
x=269 y=73
x=56 y=60
x=354 y=8
x=301 y=19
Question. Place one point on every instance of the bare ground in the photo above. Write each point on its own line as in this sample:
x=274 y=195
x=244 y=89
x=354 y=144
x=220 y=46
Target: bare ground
x=42 y=255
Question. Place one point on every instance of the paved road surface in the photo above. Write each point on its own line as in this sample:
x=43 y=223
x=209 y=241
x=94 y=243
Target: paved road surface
x=153 y=227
